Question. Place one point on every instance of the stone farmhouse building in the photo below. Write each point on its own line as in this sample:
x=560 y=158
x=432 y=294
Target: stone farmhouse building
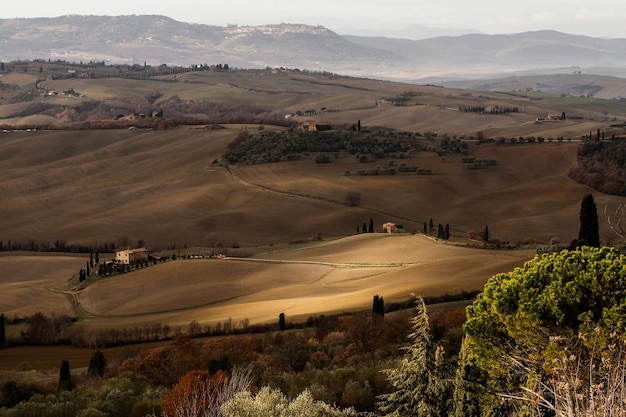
x=390 y=227
x=130 y=256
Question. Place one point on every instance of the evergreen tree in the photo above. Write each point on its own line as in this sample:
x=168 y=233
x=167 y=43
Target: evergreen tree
x=378 y=305
x=425 y=228
x=65 y=379
x=371 y=229
x=487 y=233
x=91 y=259
x=97 y=365
x=555 y=304
x=364 y=227
x=2 y=331
x=447 y=232
x=421 y=386
x=589 y=233
x=282 y=324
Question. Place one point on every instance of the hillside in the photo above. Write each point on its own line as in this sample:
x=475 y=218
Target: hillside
x=172 y=187
x=161 y=40
x=87 y=96
x=321 y=278
x=162 y=187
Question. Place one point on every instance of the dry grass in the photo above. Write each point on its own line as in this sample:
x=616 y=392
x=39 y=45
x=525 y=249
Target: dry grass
x=28 y=281
x=321 y=278
x=161 y=187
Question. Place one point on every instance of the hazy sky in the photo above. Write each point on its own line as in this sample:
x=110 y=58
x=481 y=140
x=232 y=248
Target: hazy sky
x=604 y=18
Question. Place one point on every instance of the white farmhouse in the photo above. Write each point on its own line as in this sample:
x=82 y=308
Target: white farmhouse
x=130 y=256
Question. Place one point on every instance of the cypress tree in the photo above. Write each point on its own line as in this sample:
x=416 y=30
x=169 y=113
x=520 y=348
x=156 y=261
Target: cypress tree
x=589 y=233
x=425 y=228
x=371 y=229
x=364 y=227
x=65 y=379
x=2 y=331
x=487 y=233
x=447 y=233
x=282 y=324
x=378 y=305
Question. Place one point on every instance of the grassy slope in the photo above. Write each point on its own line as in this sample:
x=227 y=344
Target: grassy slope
x=27 y=281
x=161 y=187
x=321 y=278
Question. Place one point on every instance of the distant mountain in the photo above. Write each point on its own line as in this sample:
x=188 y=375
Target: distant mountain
x=413 y=32
x=158 y=39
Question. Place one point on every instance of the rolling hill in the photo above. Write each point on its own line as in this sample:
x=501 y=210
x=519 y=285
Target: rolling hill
x=159 y=39
x=172 y=190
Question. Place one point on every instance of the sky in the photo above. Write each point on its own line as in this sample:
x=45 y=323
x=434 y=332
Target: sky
x=598 y=18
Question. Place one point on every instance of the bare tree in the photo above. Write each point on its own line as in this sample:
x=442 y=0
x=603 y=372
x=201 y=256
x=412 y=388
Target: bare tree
x=198 y=395
x=615 y=220
x=588 y=378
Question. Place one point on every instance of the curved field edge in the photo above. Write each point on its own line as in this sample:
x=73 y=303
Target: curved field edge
x=317 y=279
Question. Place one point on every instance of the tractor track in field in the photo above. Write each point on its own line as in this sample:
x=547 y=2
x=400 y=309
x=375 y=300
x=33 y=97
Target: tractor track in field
x=237 y=176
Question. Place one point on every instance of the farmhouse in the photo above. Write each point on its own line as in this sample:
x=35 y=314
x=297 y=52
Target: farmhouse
x=316 y=127
x=390 y=227
x=130 y=256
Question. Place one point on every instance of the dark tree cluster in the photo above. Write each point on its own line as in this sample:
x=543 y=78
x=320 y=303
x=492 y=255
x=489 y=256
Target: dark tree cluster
x=449 y=146
x=97 y=365
x=365 y=228
x=57 y=246
x=491 y=110
x=378 y=305
x=601 y=165
x=82 y=275
x=276 y=146
x=443 y=232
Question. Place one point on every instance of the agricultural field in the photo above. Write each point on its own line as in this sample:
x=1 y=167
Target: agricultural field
x=292 y=243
